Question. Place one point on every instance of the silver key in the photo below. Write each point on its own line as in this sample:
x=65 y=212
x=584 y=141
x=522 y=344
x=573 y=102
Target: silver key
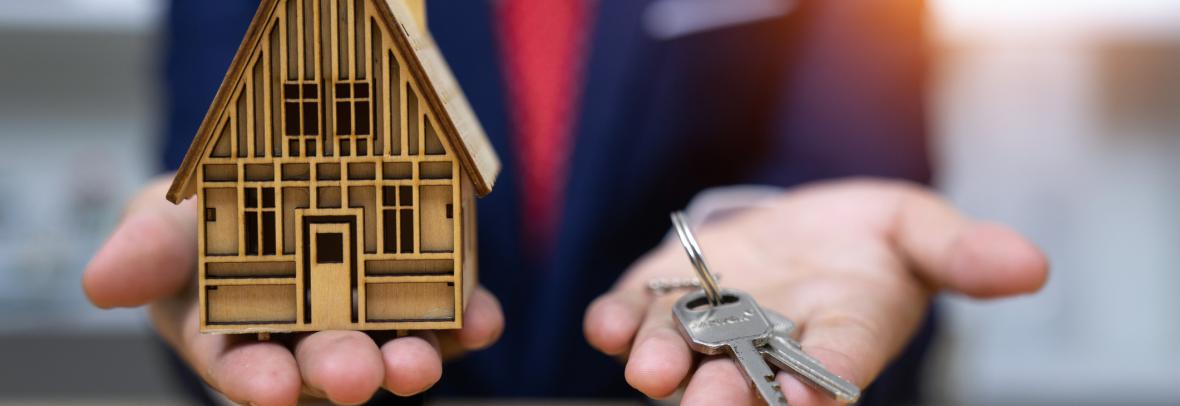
x=787 y=354
x=736 y=326
x=713 y=321
x=781 y=325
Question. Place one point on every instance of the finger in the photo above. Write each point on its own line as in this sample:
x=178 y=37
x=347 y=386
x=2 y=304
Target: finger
x=412 y=364
x=613 y=319
x=799 y=393
x=660 y=359
x=848 y=346
x=346 y=366
x=483 y=321
x=832 y=347
x=990 y=260
x=245 y=371
x=718 y=382
x=978 y=259
x=252 y=372
x=150 y=254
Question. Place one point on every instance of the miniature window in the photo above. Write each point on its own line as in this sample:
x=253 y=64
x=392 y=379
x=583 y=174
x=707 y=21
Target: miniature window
x=309 y=146
x=329 y=248
x=352 y=108
x=260 y=216
x=397 y=216
x=301 y=106
x=353 y=118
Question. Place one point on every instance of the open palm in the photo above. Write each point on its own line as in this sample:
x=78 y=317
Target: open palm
x=150 y=260
x=853 y=263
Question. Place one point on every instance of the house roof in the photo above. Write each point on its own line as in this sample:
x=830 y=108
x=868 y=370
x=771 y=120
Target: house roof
x=439 y=88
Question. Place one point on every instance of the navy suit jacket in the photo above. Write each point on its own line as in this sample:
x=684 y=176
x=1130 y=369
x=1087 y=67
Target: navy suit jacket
x=831 y=89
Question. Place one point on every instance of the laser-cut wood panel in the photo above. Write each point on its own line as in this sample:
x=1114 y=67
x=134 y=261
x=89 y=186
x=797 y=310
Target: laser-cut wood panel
x=411 y=301
x=256 y=303
x=337 y=119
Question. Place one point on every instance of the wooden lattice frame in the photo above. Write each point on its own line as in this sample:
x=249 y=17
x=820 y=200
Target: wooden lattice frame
x=331 y=129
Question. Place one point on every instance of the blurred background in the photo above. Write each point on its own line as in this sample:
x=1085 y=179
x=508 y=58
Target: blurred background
x=1061 y=118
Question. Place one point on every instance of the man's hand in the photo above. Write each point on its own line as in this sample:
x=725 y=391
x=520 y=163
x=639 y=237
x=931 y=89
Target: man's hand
x=854 y=263
x=150 y=259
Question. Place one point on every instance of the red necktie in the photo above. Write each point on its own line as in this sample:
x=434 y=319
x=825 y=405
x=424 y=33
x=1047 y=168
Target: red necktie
x=542 y=46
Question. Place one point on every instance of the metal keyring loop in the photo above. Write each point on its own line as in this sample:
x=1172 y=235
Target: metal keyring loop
x=708 y=282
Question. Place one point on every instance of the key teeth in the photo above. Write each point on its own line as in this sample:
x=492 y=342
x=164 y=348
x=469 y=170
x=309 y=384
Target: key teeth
x=782 y=398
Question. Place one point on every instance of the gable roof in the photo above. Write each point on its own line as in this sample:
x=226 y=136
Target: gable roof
x=439 y=88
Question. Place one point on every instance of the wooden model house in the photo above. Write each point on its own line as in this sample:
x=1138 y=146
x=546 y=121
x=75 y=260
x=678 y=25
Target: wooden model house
x=336 y=173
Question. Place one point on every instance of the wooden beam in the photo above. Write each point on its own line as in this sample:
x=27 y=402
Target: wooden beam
x=418 y=9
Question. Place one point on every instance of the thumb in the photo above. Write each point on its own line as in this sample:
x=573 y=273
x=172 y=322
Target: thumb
x=979 y=259
x=150 y=255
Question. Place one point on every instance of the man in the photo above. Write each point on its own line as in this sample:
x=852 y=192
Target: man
x=608 y=115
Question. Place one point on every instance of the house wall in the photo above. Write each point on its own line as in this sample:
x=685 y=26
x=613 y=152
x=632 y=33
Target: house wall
x=326 y=119
x=469 y=248
x=221 y=237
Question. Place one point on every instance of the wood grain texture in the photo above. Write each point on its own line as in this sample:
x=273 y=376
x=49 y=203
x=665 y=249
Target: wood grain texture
x=458 y=120
x=422 y=301
x=327 y=124
x=468 y=260
x=402 y=33
x=271 y=303
x=332 y=252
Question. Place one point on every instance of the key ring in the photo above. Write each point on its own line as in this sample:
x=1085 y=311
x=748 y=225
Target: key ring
x=708 y=282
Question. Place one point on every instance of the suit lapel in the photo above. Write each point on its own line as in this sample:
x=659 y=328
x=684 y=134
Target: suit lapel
x=469 y=45
x=611 y=84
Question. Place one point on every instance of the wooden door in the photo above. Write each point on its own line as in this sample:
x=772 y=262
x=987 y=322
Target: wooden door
x=331 y=259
